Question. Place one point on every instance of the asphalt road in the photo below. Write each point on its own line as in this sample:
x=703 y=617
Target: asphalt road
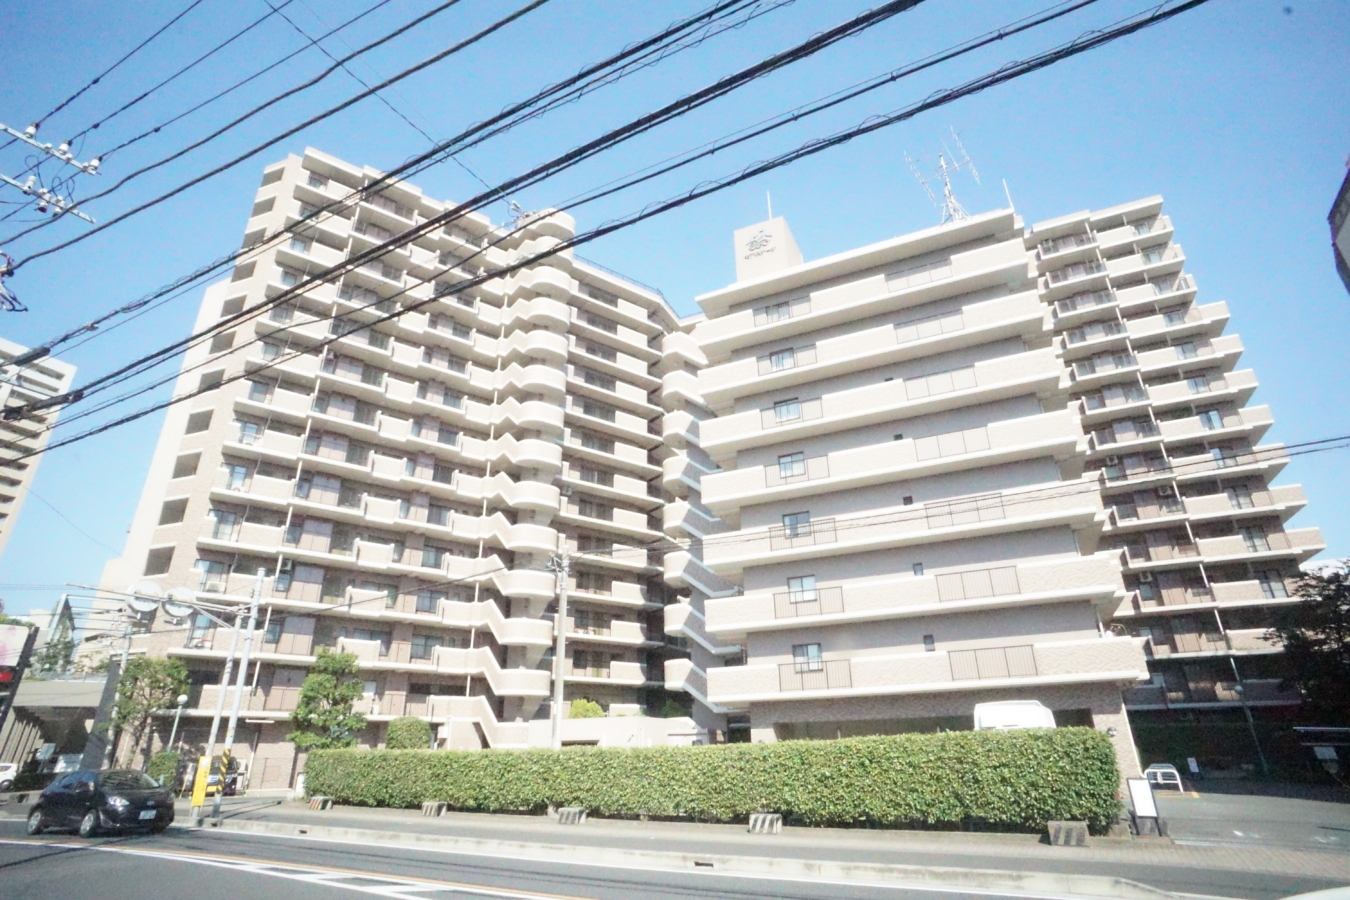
x=1255 y=821
x=187 y=865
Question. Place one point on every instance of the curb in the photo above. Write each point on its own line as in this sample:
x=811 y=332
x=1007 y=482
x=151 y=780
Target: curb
x=1039 y=884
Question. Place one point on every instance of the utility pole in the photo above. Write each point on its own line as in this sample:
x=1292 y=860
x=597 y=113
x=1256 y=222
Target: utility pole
x=112 y=716
x=220 y=703
x=243 y=677
x=48 y=200
x=561 y=563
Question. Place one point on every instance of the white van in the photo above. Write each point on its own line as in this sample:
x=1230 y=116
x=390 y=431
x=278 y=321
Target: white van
x=1010 y=714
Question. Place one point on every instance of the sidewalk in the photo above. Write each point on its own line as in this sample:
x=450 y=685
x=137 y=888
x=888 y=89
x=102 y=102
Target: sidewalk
x=1255 y=872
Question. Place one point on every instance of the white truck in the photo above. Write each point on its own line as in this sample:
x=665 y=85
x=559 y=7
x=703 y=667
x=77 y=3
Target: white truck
x=1009 y=714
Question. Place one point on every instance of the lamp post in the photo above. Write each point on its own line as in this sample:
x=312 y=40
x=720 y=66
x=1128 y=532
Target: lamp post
x=178 y=714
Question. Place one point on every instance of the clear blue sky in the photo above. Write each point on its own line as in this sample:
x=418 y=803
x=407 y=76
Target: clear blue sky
x=1236 y=113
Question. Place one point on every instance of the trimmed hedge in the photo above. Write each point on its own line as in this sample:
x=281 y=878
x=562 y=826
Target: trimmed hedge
x=163 y=767
x=1012 y=779
x=408 y=733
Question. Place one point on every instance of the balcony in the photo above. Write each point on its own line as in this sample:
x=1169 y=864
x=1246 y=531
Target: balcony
x=1284 y=500
x=1036 y=371
x=1094 y=660
x=1150 y=231
x=1021 y=314
x=1054 y=434
x=1223 y=351
x=1095 y=578
x=1236 y=387
x=1153 y=262
x=1075 y=506
x=1209 y=319
x=683 y=620
x=1246 y=593
x=1265 y=692
x=1252 y=423
x=1177 y=288
x=682 y=675
x=1268 y=460
x=905 y=287
x=1301 y=544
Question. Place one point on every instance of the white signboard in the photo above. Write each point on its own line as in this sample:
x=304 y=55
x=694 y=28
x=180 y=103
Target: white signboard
x=1141 y=796
x=1194 y=766
x=12 y=639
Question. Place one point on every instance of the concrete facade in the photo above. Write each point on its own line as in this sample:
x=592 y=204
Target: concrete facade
x=30 y=383
x=1339 y=218
x=404 y=488
x=946 y=464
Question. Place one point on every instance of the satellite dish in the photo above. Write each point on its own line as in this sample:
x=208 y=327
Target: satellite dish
x=179 y=603
x=144 y=605
x=145 y=596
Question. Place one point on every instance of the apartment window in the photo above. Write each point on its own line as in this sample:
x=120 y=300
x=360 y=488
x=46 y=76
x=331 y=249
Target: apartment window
x=596 y=379
x=186 y=465
x=593 y=510
x=273 y=633
x=259 y=391
x=802 y=589
x=775 y=312
x=907 y=500
x=172 y=512
x=428 y=601
x=423 y=645
x=596 y=476
x=807 y=658
x=438 y=515
x=442 y=474
x=213 y=574
x=1223 y=457
x=797 y=524
x=1254 y=536
x=787 y=410
x=898 y=436
x=1211 y=420
x=1198 y=384
x=918 y=568
x=225 y=522
x=249 y=432
x=269 y=351
x=792 y=465
x=929 y=644
x=1187 y=350
x=782 y=359
x=317 y=181
x=235 y=476
x=201 y=627
x=595 y=442
x=283 y=313
x=597 y=410
x=299 y=245
x=432 y=557
x=1240 y=497
x=289 y=277
x=1272 y=585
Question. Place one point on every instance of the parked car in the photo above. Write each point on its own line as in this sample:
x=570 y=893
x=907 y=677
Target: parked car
x=8 y=772
x=113 y=800
x=1164 y=775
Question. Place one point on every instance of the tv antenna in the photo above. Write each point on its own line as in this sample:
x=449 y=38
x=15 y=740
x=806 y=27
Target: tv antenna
x=948 y=163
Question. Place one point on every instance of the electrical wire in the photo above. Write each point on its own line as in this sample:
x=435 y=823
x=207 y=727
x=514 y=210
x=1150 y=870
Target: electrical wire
x=184 y=70
x=574 y=157
x=678 y=36
x=134 y=50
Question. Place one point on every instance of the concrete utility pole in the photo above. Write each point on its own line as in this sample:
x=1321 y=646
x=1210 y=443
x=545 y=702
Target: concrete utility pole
x=111 y=747
x=243 y=677
x=560 y=564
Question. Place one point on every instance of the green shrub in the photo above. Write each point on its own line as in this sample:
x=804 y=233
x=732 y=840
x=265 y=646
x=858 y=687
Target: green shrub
x=582 y=708
x=1015 y=779
x=408 y=733
x=163 y=767
x=672 y=709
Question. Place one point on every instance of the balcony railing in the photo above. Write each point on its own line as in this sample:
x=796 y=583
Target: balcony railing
x=1068 y=242
x=1077 y=270
x=1086 y=300
x=816 y=602
x=978 y=584
x=806 y=534
x=928 y=327
x=993 y=662
x=819 y=675
x=792 y=472
x=791 y=413
x=783 y=360
x=966 y=511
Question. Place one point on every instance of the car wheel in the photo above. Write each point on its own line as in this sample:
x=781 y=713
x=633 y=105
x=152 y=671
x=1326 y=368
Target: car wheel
x=35 y=822
x=89 y=824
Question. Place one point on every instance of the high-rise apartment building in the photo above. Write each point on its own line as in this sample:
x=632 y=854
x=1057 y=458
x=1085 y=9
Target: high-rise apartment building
x=405 y=487
x=982 y=462
x=20 y=385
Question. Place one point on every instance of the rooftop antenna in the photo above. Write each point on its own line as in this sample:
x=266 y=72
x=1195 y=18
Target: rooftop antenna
x=948 y=162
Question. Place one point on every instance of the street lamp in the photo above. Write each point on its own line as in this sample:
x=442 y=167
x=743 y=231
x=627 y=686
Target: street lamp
x=178 y=714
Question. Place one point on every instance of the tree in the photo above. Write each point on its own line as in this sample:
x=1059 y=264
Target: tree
x=408 y=733
x=54 y=657
x=585 y=709
x=324 y=714
x=1316 y=636
x=147 y=686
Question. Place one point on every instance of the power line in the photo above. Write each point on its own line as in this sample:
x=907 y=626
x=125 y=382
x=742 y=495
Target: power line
x=185 y=69
x=134 y=50
x=678 y=36
x=1006 y=73
x=241 y=82
x=66 y=519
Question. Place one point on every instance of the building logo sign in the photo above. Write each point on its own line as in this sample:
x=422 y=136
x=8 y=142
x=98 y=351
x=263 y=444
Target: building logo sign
x=760 y=243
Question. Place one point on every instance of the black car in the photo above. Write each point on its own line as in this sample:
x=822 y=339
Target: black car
x=114 y=800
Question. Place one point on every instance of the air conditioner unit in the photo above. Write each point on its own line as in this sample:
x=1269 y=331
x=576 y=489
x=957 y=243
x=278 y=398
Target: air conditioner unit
x=1167 y=490
x=1145 y=577
x=288 y=565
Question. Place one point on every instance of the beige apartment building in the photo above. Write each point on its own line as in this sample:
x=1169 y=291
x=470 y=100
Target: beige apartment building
x=20 y=385
x=405 y=488
x=981 y=462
